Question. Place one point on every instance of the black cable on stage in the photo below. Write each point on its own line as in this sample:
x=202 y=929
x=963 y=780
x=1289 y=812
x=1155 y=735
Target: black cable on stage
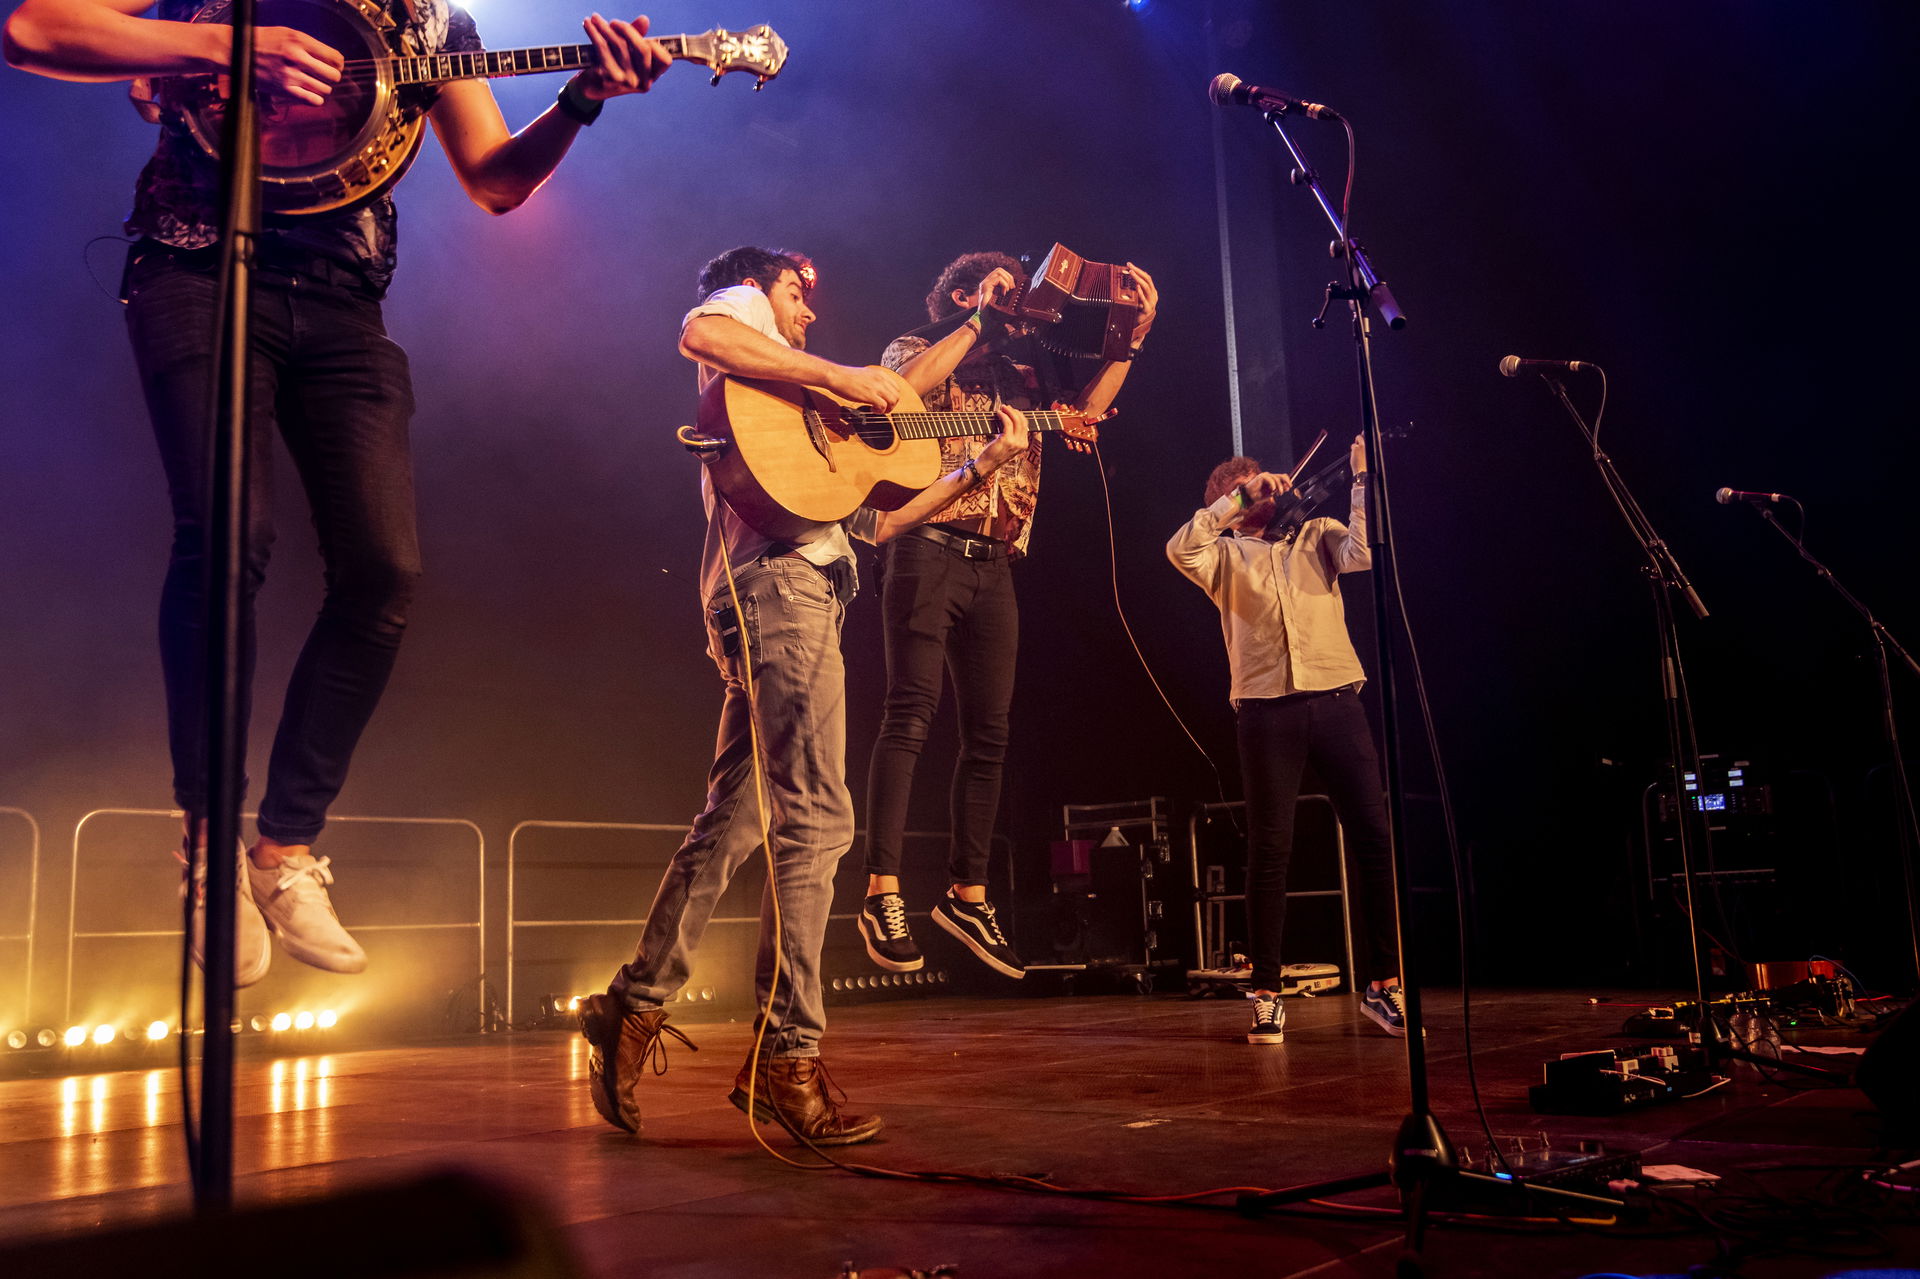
x=1113 y=566
x=1459 y=868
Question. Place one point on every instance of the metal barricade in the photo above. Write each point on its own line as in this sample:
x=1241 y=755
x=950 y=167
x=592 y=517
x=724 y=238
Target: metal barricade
x=477 y=925
x=514 y=923
x=1210 y=908
x=32 y=900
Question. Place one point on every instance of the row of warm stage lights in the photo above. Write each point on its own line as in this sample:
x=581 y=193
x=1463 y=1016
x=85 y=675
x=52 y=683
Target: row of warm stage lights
x=104 y=1034
x=888 y=980
x=556 y=1004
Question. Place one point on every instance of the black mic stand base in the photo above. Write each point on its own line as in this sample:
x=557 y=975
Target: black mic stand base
x=1428 y=1175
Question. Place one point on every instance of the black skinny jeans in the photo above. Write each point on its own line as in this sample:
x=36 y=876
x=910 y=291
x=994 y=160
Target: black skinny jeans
x=338 y=389
x=941 y=609
x=1279 y=736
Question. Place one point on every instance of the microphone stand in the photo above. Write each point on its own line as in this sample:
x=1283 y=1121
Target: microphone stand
x=1668 y=582
x=1883 y=640
x=1422 y=1164
x=227 y=462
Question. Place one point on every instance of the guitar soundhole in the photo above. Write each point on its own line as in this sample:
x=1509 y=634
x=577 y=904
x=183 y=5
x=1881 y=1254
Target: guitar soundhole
x=874 y=432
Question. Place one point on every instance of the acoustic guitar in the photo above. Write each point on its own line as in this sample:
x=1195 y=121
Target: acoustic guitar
x=356 y=145
x=786 y=456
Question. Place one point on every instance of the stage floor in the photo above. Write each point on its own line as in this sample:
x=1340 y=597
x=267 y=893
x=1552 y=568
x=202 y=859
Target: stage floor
x=1158 y=1095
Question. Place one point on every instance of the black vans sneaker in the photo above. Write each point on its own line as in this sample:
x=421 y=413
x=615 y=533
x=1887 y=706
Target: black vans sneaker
x=883 y=926
x=1269 y=1020
x=973 y=923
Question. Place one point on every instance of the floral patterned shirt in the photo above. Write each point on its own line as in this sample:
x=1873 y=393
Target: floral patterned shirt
x=1012 y=491
x=177 y=197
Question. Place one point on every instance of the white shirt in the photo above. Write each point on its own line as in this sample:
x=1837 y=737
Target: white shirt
x=1279 y=602
x=821 y=544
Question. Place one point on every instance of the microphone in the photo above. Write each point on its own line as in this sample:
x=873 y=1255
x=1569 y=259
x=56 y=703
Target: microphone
x=1514 y=366
x=1230 y=90
x=1726 y=497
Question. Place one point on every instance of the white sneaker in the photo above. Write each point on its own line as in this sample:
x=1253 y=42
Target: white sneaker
x=293 y=897
x=252 y=947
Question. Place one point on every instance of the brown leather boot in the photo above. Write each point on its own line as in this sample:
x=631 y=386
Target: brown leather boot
x=792 y=1092
x=624 y=1044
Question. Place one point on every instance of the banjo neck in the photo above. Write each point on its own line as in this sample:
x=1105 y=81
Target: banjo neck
x=492 y=64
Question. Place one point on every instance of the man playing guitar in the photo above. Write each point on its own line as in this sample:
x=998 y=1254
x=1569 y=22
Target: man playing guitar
x=774 y=610
x=324 y=373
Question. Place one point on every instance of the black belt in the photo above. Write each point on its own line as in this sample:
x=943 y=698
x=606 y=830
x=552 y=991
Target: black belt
x=965 y=545
x=269 y=268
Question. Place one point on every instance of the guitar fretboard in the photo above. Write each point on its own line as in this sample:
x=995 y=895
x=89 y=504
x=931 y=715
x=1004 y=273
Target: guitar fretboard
x=929 y=425
x=433 y=68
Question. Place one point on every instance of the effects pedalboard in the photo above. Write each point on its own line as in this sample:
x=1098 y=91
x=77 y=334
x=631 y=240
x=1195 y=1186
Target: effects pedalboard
x=1610 y=1080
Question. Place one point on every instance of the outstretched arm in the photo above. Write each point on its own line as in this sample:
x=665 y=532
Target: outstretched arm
x=500 y=170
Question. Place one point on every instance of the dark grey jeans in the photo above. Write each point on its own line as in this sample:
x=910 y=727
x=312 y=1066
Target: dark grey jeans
x=792 y=621
x=339 y=392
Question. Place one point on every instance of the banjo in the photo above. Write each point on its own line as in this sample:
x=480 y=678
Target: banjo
x=356 y=145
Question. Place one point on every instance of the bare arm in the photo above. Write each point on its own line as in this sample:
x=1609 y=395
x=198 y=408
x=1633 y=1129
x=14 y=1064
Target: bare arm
x=500 y=170
x=936 y=363
x=943 y=492
x=724 y=343
x=98 y=41
x=1098 y=395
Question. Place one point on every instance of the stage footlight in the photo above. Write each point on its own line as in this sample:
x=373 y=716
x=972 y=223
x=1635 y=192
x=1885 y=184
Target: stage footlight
x=303 y=1021
x=573 y=1005
x=47 y=1037
x=157 y=1030
x=103 y=1035
x=256 y=1022
x=281 y=1021
x=75 y=1036
x=16 y=1039
x=326 y=1019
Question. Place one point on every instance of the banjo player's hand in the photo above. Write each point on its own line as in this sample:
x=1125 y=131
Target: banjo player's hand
x=289 y=63
x=629 y=62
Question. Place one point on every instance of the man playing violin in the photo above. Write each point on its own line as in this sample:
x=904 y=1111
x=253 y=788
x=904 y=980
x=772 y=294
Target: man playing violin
x=1295 y=693
x=325 y=375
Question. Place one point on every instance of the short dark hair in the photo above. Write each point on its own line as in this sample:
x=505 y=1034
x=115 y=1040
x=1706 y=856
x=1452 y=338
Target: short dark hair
x=965 y=273
x=1229 y=474
x=737 y=266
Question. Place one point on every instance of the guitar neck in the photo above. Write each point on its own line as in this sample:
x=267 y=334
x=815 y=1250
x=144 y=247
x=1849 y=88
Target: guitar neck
x=492 y=64
x=931 y=425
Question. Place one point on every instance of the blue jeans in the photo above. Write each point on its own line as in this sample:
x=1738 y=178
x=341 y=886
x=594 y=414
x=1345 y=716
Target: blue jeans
x=792 y=621
x=339 y=392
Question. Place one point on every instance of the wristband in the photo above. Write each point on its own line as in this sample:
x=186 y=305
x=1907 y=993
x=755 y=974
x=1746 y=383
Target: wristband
x=576 y=106
x=971 y=469
x=1240 y=492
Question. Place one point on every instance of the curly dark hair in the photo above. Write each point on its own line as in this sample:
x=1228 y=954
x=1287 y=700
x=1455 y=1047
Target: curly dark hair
x=737 y=266
x=965 y=273
x=1228 y=474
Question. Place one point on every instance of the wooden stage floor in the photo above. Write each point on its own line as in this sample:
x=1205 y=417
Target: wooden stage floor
x=1157 y=1095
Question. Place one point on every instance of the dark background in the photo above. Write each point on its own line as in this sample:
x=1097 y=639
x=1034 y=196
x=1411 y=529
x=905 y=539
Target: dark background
x=1701 y=198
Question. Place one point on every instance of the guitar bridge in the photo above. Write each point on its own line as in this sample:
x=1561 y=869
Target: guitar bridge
x=817 y=433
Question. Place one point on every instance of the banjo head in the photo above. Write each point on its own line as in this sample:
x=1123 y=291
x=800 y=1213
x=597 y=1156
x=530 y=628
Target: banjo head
x=317 y=158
